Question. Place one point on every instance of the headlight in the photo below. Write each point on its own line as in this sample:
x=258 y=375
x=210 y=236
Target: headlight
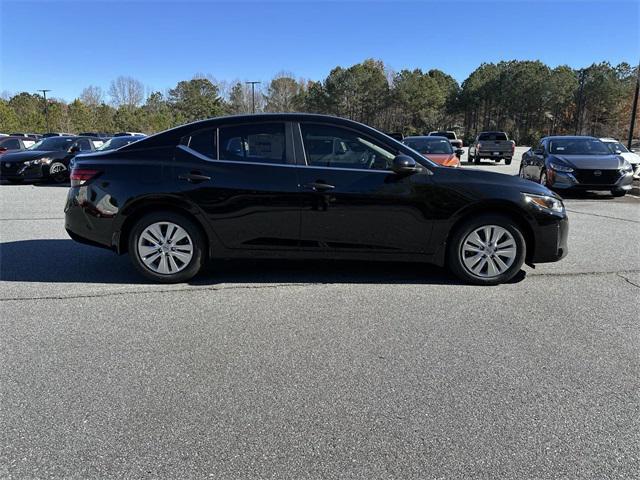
x=544 y=202
x=560 y=168
x=38 y=161
x=626 y=167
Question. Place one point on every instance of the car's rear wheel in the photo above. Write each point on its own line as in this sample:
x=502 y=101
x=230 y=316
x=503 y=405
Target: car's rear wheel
x=618 y=192
x=167 y=247
x=487 y=250
x=507 y=161
x=58 y=172
x=476 y=159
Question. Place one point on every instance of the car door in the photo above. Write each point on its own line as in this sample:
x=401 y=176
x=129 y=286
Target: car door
x=243 y=178
x=352 y=200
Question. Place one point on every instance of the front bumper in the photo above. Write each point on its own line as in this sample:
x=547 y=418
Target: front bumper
x=587 y=180
x=550 y=242
x=19 y=171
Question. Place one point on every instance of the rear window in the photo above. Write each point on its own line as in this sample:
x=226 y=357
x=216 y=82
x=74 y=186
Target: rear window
x=493 y=136
x=449 y=135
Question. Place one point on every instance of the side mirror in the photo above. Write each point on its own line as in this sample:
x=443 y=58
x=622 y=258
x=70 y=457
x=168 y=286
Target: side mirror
x=404 y=164
x=618 y=152
x=3 y=149
x=74 y=149
x=459 y=152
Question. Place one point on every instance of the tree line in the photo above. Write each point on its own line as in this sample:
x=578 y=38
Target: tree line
x=527 y=99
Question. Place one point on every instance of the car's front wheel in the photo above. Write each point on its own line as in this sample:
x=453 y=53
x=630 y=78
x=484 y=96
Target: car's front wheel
x=58 y=172
x=487 y=250
x=618 y=192
x=167 y=247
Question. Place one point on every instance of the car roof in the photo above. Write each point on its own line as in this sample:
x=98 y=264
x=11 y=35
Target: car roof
x=570 y=137
x=427 y=137
x=173 y=136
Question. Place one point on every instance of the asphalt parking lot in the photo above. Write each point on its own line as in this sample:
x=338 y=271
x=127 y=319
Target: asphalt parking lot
x=317 y=370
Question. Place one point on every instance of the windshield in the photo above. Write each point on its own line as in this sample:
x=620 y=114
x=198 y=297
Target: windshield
x=427 y=145
x=53 y=144
x=616 y=147
x=116 y=142
x=578 y=146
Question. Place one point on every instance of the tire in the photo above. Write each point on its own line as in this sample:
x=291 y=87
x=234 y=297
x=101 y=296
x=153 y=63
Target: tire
x=507 y=161
x=494 y=268
x=176 y=266
x=618 y=193
x=58 y=172
x=476 y=159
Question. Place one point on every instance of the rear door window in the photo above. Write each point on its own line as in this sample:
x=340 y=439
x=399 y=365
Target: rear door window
x=259 y=143
x=203 y=142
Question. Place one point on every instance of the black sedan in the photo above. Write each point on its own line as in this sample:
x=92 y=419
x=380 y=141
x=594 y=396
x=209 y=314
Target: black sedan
x=305 y=186
x=577 y=163
x=47 y=159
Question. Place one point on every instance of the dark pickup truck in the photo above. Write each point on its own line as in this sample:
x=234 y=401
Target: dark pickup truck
x=493 y=145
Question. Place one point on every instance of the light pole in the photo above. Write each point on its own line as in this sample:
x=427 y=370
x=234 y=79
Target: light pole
x=46 y=107
x=253 y=95
x=634 y=109
x=579 y=106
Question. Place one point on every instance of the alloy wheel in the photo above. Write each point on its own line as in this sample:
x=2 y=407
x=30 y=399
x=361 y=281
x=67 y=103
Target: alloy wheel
x=488 y=251
x=58 y=172
x=165 y=248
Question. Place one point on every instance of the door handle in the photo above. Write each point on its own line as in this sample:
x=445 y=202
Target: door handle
x=194 y=177
x=318 y=186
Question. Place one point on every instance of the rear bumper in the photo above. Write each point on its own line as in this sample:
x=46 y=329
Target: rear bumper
x=494 y=154
x=88 y=222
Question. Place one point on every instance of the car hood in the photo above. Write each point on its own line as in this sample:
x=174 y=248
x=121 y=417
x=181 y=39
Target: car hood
x=470 y=178
x=631 y=157
x=27 y=155
x=590 y=162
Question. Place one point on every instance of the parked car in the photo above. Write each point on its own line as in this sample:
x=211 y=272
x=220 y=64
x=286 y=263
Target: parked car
x=273 y=185
x=10 y=144
x=28 y=135
x=47 y=159
x=127 y=134
x=577 y=163
x=453 y=138
x=57 y=134
x=437 y=149
x=493 y=145
x=117 y=142
x=94 y=134
x=629 y=155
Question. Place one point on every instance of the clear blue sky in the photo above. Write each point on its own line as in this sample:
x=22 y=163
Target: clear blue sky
x=67 y=45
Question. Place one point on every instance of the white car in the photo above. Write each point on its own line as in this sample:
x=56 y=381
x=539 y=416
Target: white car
x=630 y=156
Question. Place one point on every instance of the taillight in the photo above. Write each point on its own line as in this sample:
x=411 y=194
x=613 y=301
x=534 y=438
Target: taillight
x=80 y=176
x=513 y=147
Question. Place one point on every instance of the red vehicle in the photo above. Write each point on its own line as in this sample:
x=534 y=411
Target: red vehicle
x=436 y=149
x=15 y=144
